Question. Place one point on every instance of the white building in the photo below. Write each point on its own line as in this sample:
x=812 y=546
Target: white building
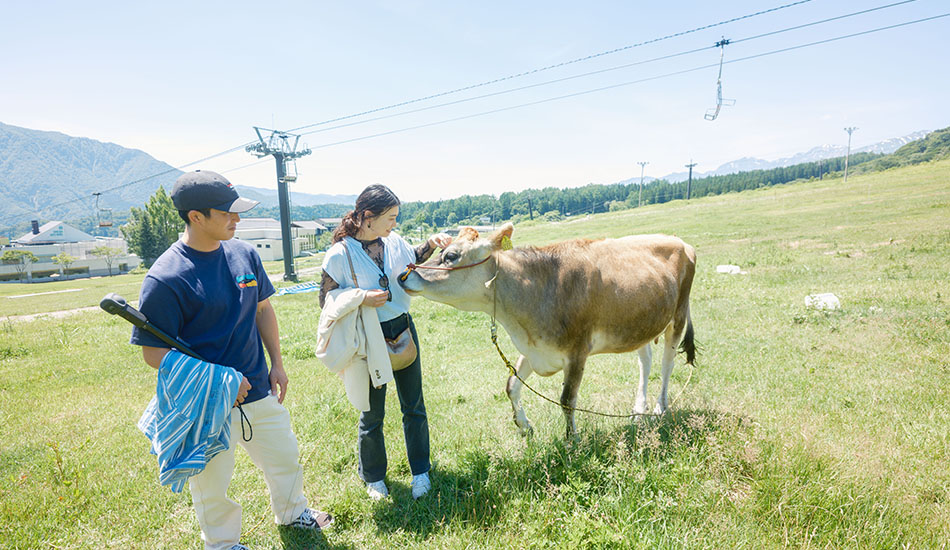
x=265 y=235
x=329 y=223
x=56 y=237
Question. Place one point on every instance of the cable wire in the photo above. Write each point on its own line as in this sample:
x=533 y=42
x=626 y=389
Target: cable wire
x=140 y=180
x=440 y=94
x=555 y=66
x=837 y=18
x=521 y=88
x=600 y=71
x=629 y=83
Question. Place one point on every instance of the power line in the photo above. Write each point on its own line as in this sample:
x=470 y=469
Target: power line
x=628 y=83
x=441 y=94
x=239 y=147
x=555 y=66
x=591 y=73
x=830 y=19
x=140 y=180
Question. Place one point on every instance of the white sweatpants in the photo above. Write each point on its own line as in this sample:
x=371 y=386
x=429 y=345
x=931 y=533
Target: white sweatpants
x=273 y=448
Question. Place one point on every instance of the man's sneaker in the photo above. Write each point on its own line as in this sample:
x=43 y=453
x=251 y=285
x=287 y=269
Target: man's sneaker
x=420 y=485
x=239 y=547
x=377 y=490
x=312 y=519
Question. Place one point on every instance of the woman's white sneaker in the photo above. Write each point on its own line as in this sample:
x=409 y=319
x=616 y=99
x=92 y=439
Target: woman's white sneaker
x=420 y=485
x=377 y=490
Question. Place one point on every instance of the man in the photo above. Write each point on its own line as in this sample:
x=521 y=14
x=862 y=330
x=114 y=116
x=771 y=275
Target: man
x=212 y=293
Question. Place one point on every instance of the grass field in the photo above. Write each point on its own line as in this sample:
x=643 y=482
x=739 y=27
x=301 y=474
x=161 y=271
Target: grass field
x=797 y=428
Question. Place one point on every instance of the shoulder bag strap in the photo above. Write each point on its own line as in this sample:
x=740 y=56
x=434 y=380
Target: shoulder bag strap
x=350 y=261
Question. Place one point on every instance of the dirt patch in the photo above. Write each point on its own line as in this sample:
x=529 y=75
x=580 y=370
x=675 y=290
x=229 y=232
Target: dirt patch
x=50 y=314
x=806 y=244
x=53 y=314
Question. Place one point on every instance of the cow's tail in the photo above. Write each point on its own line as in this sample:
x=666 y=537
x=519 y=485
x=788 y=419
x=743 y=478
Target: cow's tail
x=687 y=344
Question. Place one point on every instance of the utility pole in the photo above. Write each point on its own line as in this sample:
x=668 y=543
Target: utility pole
x=849 y=129
x=640 y=194
x=285 y=153
x=530 y=209
x=689 y=186
x=819 y=170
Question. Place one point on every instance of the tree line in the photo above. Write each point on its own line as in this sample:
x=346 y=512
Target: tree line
x=149 y=231
x=552 y=203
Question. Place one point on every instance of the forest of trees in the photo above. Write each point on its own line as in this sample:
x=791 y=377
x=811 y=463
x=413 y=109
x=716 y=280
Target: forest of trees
x=151 y=229
x=552 y=204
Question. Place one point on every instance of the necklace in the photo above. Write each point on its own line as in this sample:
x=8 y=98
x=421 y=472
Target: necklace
x=383 y=278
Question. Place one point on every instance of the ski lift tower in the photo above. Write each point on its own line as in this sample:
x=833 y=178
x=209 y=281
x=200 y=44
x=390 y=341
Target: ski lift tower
x=283 y=147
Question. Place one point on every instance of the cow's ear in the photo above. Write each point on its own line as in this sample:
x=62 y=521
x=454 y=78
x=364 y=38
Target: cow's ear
x=502 y=237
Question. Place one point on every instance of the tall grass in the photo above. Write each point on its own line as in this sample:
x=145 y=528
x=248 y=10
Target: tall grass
x=797 y=428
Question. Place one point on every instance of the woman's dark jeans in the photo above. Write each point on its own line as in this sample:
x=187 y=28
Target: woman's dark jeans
x=415 y=425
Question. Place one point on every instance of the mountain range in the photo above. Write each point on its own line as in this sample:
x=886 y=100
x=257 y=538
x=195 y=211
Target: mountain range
x=51 y=176
x=747 y=164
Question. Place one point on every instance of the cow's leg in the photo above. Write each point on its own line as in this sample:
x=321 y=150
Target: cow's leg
x=646 y=358
x=669 y=354
x=572 y=381
x=514 y=394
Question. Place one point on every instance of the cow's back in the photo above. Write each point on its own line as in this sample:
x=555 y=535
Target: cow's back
x=610 y=295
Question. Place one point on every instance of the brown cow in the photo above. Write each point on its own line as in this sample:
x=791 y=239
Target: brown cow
x=563 y=302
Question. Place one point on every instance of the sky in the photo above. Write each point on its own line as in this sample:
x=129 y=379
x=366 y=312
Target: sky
x=186 y=80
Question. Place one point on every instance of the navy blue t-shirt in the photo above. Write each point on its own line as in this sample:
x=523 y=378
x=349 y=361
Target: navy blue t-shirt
x=209 y=301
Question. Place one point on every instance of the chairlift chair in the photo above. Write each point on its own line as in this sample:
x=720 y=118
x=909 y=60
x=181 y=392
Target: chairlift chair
x=290 y=170
x=713 y=113
x=103 y=215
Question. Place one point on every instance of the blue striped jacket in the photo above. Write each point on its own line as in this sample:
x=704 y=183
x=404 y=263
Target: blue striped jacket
x=189 y=419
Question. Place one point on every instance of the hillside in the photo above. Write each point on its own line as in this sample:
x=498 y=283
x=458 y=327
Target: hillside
x=935 y=146
x=268 y=197
x=797 y=428
x=39 y=168
x=553 y=203
x=815 y=154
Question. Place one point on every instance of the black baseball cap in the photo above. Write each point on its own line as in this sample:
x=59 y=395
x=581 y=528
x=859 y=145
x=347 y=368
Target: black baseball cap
x=206 y=189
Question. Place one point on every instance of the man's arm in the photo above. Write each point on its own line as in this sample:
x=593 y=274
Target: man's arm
x=153 y=356
x=267 y=326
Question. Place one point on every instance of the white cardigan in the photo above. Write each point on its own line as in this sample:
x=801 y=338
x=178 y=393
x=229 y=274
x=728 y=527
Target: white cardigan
x=350 y=343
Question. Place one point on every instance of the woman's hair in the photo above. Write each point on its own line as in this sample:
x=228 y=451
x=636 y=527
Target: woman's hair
x=376 y=199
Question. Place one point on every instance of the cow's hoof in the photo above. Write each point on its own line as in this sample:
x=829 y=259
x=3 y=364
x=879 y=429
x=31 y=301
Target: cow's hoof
x=659 y=410
x=524 y=426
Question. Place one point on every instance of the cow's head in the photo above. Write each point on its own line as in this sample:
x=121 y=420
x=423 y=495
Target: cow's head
x=465 y=266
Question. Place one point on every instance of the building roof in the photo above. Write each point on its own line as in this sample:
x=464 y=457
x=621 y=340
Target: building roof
x=271 y=223
x=55 y=232
x=483 y=229
x=258 y=223
x=316 y=226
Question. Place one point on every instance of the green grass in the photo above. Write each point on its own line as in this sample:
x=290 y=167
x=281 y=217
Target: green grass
x=15 y=299
x=796 y=428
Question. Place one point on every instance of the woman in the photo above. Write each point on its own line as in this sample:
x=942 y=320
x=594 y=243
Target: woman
x=378 y=256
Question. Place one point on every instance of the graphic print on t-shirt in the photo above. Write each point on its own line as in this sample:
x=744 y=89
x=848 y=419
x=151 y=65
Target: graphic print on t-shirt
x=244 y=281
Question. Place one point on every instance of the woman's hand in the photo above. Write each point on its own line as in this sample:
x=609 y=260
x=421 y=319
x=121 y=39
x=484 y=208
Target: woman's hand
x=440 y=240
x=375 y=298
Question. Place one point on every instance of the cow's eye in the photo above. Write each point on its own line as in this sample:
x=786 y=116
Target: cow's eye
x=451 y=256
